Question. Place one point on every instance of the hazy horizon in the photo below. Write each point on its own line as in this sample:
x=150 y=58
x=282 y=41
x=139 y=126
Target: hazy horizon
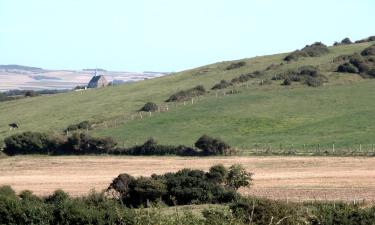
x=167 y=35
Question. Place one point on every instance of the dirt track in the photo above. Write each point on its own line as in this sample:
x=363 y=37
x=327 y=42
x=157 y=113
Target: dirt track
x=294 y=178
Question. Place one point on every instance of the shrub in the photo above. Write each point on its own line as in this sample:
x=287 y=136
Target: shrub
x=187 y=94
x=370 y=51
x=151 y=147
x=371 y=38
x=371 y=73
x=7 y=191
x=238 y=177
x=121 y=185
x=347 y=68
x=222 y=85
x=143 y=190
x=235 y=65
x=193 y=186
x=149 y=107
x=341 y=213
x=27 y=143
x=30 y=94
x=264 y=211
x=346 y=41
x=81 y=143
x=242 y=78
x=84 y=125
x=309 y=71
x=314 y=50
x=287 y=82
x=212 y=146
x=218 y=173
x=315 y=81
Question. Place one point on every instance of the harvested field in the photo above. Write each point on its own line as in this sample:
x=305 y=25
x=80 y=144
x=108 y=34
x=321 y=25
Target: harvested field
x=293 y=178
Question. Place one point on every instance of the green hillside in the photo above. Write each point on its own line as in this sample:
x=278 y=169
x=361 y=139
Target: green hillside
x=339 y=112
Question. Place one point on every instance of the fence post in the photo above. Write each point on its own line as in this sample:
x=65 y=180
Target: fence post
x=192 y=101
x=150 y=113
x=333 y=148
x=140 y=114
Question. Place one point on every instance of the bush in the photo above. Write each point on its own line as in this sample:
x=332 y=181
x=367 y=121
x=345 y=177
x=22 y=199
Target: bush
x=151 y=147
x=27 y=143
x=347 y=68
x=238 y=177
x=84 y=125
x=341 y=213
x=187 y=94
x=222 y=85
x=30 y=94
x=185 y=186
x=81 y=143
x=149 y=107
x=315 y=81
x=242 y=78
x=287 y=82
x=212 y=146
x=235 y=65
x=264 y=211
x=218 y=173
x=371 y=38
x=314 y=50
x=345 y=41
x=370 y=51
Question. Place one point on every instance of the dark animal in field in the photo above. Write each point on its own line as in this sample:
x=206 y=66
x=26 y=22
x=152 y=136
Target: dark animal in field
x=13 y=126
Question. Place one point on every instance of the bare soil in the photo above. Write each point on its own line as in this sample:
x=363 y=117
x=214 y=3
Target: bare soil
x=292 y=178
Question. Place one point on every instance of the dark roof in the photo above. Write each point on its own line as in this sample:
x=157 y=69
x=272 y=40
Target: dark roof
x=95 y=79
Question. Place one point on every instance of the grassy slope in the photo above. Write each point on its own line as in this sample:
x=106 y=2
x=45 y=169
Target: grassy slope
x=339 y=112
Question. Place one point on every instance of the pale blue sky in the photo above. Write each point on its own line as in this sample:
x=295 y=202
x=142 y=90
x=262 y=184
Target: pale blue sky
x=170 y=35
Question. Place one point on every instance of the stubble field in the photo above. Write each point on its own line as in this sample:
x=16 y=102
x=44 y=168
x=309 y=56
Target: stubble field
x=292 y=178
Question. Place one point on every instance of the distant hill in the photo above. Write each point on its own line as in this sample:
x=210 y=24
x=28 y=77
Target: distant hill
x=14 y=68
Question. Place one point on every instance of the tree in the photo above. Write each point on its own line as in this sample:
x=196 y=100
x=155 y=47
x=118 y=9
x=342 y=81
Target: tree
x=238 y=177
x=212 y=146
x=218 y=173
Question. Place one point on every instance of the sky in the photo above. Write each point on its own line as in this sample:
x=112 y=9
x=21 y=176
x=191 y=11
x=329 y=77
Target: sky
x=170 y=35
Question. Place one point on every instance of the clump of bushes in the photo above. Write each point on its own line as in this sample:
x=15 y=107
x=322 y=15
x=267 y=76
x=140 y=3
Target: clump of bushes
x=347 y=68
x=84 y=125
x=371 y=38
x=151 y=147
x=183 y=187
x=362 y=64
x=41 y=143
x=370 y=51
x=246 y=77
x=345 y=41
x=205 y=146
x=187 y=94
x=212 y=146
x=28 y=143
x=222 y=85
x=149 y=107
x=314 y=50
x=308 y=75
x=235 y=65
x=82 y=143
